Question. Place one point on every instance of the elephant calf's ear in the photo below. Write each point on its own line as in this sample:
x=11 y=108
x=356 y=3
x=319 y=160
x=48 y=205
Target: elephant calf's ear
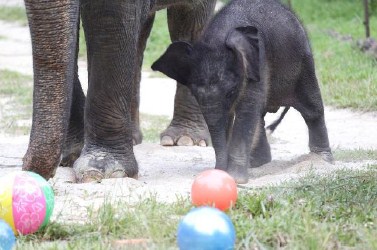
x=175 y=62
x=244 y=42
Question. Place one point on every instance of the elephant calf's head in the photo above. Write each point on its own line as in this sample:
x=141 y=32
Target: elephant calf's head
x=216 y=75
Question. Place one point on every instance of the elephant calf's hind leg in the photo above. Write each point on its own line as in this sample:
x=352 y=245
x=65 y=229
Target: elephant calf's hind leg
x=260 y=148
x=309 y=104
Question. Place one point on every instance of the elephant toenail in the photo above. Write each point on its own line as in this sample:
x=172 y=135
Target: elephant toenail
x=118 y=174
x=202 y=143
x=91 y=175
x=185 y=141
x=167 y=141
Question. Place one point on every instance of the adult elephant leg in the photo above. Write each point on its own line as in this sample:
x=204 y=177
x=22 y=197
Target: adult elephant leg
x=111 y=29
x=188 y=126
x=74 y=141
x=144 y=34
x=53 y=28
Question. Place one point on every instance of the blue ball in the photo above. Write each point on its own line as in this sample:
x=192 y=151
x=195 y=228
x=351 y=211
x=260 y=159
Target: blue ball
x=206 y=228
x=7 y=238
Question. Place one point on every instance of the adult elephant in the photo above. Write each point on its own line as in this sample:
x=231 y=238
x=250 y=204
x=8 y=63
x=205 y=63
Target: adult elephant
x=98 y=133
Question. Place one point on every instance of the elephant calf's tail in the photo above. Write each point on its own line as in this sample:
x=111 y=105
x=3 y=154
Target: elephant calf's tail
x=271 y=128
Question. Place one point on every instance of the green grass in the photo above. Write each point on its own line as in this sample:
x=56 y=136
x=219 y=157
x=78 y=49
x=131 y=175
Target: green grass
x=17 y=85
x=315 y=212
x=16 y=99
x=158 y=41
x=347 y=155
x=348 y=77
x=13 y=14
x=82 y=44
x=152 y=126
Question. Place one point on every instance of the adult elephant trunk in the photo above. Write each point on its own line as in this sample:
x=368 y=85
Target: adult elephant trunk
x=53 y=27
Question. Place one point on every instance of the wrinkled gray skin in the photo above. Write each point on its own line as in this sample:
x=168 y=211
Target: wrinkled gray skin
x=102 y=128
x=252 y=58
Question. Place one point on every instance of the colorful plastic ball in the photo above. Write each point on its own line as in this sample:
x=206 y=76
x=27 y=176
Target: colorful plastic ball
x=214 y=188
x=27 y=201
x=7 y=238
x=206 y=228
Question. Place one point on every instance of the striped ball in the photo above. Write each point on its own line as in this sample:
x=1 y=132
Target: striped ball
x=26 y=201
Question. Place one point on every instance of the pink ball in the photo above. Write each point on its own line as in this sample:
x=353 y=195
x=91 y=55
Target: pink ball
x=27 y=201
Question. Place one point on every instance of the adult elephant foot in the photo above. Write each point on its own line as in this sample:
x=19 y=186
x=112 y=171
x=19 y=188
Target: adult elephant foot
x=74 y=140
x=96 y=165
x=71 y=153
x=188 y=127
x=41 y=160
x=137 y=136
x=180 y=135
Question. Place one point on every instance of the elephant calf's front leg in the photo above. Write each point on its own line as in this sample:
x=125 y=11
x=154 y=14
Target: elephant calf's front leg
x=247 y=141
x=111 y=29
x=239 y=151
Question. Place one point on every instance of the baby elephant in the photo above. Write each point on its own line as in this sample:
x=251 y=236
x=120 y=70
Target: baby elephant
x=252 y=58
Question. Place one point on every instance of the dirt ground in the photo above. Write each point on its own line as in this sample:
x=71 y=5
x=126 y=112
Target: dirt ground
x=167 y=172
